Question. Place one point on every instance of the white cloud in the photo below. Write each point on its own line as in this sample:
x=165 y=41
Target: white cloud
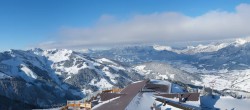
x=157 y=27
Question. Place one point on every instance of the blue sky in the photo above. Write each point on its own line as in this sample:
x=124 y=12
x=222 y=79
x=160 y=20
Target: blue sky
x=27 y=23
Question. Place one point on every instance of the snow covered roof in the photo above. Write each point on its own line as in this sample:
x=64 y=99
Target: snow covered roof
x=123 y=101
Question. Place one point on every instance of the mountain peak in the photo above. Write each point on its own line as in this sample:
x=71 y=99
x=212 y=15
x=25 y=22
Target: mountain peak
x=159 y=47
x=241 y=41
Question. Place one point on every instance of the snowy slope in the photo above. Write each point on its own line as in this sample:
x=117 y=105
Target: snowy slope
x=58 y=75
x=232 y=103
x=234 y=80
x=165 y=71
x=99 y=73
x=3 y=76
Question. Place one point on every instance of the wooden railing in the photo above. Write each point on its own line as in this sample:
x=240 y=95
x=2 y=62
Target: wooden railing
x=86 y=102
x=78 y=104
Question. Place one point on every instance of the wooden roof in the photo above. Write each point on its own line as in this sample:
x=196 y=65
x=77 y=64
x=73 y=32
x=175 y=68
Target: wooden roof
x=122 y=102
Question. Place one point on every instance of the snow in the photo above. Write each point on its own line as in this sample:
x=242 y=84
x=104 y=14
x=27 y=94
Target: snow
x=117 y=68
x=112 y=64
x=110 y=75
x=230 y=103
x=58 y=55
x=204 y=48
x=65 y=54
x=73 y=69
x=240 y=41
x=141 y=69
x=103 y=60
x=28 y=72
x=145 y=101
x=164 y=76
x=25 y=72
x=224 y=102
x=212 y=47
x=223 y=71
x=193 y=49
x=235 y=80
x=193 y=104
x=103 y=83
x=87 y=91
x=67 y=78
x=171 y=76
x=136 y=82
x=221 y=79
x=158 y=71
x=221 y=102
x=192 y=69
x=3 y=76
x=104 y=102
x=53 y=61
x=85 y=50
x=195 y=82
x=160 y=48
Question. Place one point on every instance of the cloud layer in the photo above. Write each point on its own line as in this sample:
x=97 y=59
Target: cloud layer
x=155 y=28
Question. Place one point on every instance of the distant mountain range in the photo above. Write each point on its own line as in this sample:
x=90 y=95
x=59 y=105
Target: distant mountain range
x=223 y=66
x=230 y=55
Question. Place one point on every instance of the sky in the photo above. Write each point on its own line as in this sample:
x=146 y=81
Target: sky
x=76 y=24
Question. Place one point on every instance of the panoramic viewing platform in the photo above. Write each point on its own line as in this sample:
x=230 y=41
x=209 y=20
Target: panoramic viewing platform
x=134 y=96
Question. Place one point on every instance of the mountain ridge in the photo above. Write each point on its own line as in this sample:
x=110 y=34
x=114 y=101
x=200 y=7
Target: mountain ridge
x=54 y=76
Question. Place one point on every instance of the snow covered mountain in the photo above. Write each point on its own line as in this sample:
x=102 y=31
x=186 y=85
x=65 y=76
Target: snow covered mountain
x=47 y=77
x=43 y=78
x=157 y=70
x=193 y=49
x=223 y=65
x=201 y=48
x=139 y=54
x=235 y=83
x=230 y=55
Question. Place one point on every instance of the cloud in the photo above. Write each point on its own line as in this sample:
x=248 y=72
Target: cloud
x=157 y=27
